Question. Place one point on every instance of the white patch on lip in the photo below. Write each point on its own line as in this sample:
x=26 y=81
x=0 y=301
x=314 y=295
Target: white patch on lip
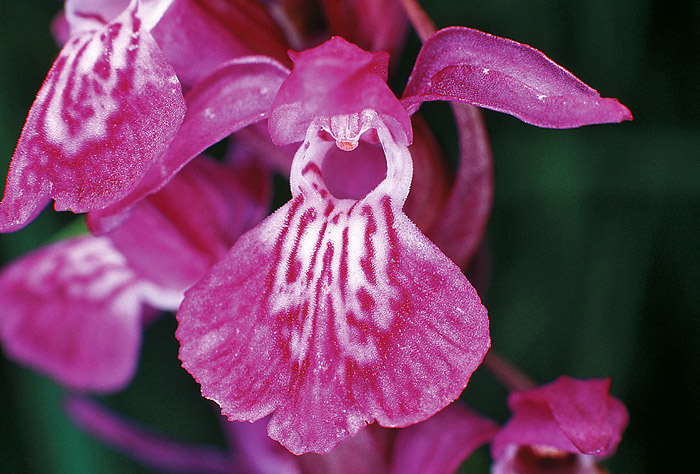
x=339 y=233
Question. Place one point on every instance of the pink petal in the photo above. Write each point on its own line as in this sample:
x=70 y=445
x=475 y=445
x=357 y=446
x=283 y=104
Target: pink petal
x=367 y=452
x=333 y=313
x=73 y=310
x=441 y=443
x=336 y=78
x=236 y=95
x=465 y=65
x=109 y=107
x=576 y=416
x=461 y=225
x=174 y=236
x=259 y=453
x=225 y=30
x=586 y=413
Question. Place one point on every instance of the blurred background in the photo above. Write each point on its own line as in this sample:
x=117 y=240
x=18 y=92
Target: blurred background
x=593 y=238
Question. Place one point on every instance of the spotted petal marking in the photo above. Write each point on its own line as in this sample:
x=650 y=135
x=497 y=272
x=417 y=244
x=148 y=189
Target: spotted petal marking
x=108 y=108
x=333 y=313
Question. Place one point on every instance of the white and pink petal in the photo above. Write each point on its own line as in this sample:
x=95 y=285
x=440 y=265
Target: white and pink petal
x=110 y=105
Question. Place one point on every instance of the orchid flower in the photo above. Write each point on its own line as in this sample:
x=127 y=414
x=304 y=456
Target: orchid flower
x=336 y=310
x=565 y=426
x=75 y=309
x=338 y=293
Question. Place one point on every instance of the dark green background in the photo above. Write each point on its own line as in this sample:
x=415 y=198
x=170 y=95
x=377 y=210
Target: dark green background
x=593 y=238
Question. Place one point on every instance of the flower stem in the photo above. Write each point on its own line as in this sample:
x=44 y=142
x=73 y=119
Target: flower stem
x=505 y=372
x=420 y=20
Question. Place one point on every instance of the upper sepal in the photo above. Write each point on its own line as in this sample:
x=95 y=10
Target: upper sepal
x=466 y=65
x=334 y=79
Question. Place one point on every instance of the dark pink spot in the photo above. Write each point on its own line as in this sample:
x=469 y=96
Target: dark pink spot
x=293 y=270
x=367 y=262
x=311 y=168
x=367 y=303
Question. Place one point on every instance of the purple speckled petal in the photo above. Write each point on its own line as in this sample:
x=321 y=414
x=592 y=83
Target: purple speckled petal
x=109 y=107
x=333 y=313
x=237 y=94
x=465 y=65
x=73 y=310
x=441 y=443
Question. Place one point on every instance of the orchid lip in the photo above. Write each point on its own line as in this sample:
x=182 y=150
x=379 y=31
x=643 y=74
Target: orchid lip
x=356 y=314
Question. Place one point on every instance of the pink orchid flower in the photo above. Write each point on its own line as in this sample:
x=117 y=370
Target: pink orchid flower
x=333 y=312
x=336 y=310
x=565 y=426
